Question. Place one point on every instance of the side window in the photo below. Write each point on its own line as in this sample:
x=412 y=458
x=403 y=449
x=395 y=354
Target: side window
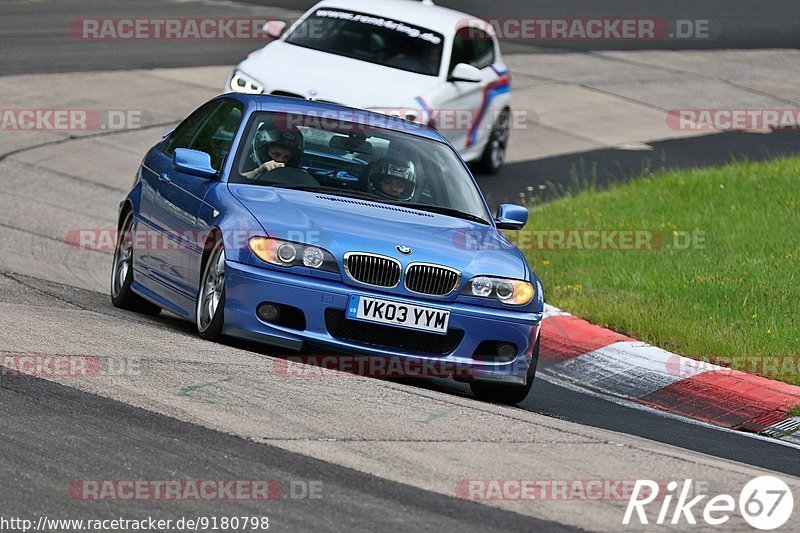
x=461 y=45
x=473 y=47
x=215 y=137
x=186 y=131
x=482 y=49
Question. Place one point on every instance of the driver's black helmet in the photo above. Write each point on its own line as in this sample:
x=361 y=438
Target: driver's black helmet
x=290 y=139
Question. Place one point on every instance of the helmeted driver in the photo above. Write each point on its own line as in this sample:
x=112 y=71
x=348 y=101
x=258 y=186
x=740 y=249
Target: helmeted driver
x=273 y=148
x=392 y=178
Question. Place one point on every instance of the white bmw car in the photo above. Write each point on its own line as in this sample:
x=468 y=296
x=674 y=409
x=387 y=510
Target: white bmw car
x=423 y=62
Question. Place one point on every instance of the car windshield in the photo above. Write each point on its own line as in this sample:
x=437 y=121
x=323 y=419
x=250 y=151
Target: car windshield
x=347 y=156
x=371 y=38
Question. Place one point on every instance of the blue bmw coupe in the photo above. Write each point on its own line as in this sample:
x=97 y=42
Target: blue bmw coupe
x=312 y=226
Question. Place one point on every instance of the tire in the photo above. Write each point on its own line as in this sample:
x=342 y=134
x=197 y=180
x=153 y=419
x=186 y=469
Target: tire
x=122 y=273
x=507 y=394
x=494 y=155
x=210 y=308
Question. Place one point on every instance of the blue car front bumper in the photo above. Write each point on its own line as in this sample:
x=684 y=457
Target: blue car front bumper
x=324 y=302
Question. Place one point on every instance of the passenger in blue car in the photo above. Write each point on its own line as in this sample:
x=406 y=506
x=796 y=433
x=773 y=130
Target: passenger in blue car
x=273 y=148
x=393 y=178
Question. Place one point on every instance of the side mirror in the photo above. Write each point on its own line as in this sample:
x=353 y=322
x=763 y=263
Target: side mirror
x=464 y=72
x=511 y=216
x=274 y=28
x=193 y=162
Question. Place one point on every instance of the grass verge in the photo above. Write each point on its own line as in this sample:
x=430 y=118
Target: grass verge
x=720 y=280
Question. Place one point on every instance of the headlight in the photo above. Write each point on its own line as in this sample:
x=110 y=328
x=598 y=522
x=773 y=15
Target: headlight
x=289 y=254
x=244 y=84
x=313 y=257
x=286 y=253
x=508 y=291
x=481 y=286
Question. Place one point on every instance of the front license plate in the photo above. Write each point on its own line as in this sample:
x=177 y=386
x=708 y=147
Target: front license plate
x=398 y=314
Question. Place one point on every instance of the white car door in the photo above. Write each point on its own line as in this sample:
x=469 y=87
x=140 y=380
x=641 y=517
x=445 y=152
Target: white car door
x=463 y=106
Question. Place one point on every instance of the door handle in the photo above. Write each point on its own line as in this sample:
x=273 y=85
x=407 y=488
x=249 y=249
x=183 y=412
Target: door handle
x=164 y=177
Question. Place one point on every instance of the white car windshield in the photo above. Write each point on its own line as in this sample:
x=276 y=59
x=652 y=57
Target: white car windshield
x=371 y=38
x=345 y=156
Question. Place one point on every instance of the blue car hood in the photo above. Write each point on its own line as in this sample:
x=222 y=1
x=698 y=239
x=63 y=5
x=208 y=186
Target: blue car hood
x=341 y=225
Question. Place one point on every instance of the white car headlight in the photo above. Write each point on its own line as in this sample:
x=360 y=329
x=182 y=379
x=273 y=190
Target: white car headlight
x=242 y=83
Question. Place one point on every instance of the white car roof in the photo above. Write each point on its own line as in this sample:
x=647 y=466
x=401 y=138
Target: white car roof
x=424 y=14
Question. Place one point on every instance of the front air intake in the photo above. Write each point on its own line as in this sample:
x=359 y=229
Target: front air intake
x=435 y=280
x=371 y=269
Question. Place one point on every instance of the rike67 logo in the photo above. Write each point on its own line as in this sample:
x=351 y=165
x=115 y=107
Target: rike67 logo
x=765 y=503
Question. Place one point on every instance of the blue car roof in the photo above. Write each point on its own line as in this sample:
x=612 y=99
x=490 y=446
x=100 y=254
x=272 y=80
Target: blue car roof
x=266 y=102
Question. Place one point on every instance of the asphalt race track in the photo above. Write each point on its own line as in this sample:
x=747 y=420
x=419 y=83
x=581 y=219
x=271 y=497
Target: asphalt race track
x=87 y=430
x=41 y=44
x=732 y=24
x=37 y=35
x=387 y=451
x=608 y=165
x=34 y=31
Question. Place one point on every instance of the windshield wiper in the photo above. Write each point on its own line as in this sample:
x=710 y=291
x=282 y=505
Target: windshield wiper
x=445 y=211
